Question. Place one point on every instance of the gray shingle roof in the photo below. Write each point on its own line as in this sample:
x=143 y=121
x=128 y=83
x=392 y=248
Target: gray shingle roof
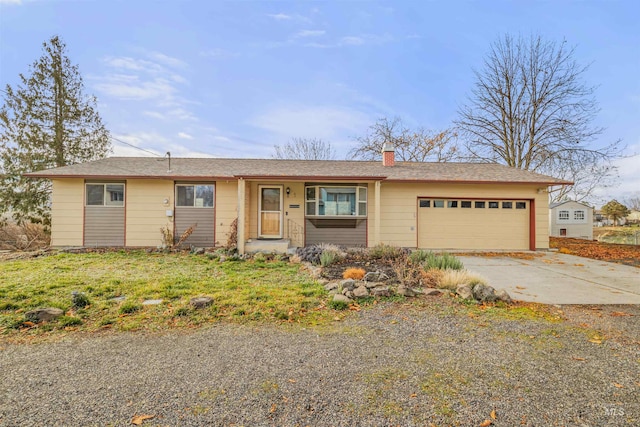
x=216 y=168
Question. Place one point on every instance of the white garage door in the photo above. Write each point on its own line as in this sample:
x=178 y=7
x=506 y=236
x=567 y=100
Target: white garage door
x=473 y=224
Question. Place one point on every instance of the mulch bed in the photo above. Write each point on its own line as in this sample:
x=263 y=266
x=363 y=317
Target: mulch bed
x=613 y=252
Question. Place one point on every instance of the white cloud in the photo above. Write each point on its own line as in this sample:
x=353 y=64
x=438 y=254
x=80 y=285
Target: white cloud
x=285 y=17
x=184 y=135
x=352 y=41
x=131 y=88
x=167 y=60
x=309 y=33
x=280 y=16
x=332 y=123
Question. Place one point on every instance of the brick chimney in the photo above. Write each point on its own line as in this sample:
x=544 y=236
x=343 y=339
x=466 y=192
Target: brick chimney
x=388 y=154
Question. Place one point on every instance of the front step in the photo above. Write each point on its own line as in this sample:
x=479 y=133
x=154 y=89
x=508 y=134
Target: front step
x=267 y=246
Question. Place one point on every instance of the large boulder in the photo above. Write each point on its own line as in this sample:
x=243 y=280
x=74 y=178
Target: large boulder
x=375 y=276
x=406 y=292
x=340 y=297
x=381 y=291
x=201 y=302
x=43 y=314
x=484 y=293
x=503 y=296
x=348 y=284
x=361 y=292
x=464 y=291
x=331 y=286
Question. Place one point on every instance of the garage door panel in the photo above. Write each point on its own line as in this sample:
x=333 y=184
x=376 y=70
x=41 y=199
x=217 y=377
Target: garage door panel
x=473 y=228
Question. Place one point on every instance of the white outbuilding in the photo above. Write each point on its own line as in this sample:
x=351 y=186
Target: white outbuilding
x=571 y=219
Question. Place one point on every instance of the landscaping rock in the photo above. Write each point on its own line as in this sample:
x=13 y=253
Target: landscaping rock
x=201 y=302
x=464 y=292
x=375 y=276
x=361 y=292
x=43 y=314
x=197 y=251
x=340 y=297
x=349 y=294
x=371 y=276
x=348 y=284
x=484 y=293
x=152 y=302
x=431 y=291
x=331 y=286
x=503 y=296
x=381 y=291
x=406 y=292
x=322 y=281
x=372 y=285
x=223 y=258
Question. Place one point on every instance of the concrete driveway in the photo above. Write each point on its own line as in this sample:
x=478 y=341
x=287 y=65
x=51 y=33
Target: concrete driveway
x=556 y=278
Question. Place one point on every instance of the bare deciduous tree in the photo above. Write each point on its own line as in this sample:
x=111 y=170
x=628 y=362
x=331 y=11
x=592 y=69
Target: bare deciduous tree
x=419 y=145
x=530 y=109
x=633 y=202
x=305 y=149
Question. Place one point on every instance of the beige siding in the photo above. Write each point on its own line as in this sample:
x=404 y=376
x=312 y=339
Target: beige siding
x=226 y=206
x=398 y=223
x=67 y=212
x=146 y=210
x=103 y=226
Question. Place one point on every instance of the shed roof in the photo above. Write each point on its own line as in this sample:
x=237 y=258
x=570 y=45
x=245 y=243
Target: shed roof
x=219 y=168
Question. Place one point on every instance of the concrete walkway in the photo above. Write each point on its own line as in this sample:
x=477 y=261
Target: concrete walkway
x=556 y=278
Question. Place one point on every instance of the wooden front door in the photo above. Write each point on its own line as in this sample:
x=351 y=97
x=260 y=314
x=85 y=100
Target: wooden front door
x=270 y=211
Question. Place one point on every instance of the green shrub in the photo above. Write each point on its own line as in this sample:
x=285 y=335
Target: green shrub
x=444 y=261
x=338 y=305
x=182 y=312
x=328 y=257
x=79 y=299
x=69 y=321
x=418 y=256
x=129 y=307
x=384 y=251
x=259 y=257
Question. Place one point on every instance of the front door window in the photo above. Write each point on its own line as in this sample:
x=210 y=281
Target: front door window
x=270 y=215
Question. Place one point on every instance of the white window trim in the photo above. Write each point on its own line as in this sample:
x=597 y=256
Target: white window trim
x=104 y=194
x=317 y=201
x=194 y=195
x=561 y=218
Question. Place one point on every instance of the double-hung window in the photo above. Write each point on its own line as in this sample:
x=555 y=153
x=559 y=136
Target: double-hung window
x=105 y=195
x=337 y=201
x=194 y=195
x=563 y=215
x=578 y=215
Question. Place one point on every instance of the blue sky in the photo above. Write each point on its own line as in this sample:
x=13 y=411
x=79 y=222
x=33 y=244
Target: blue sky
x=234 y=78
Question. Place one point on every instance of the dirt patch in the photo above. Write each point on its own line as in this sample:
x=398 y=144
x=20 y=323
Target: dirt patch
x=612 y=252
x=334 y=271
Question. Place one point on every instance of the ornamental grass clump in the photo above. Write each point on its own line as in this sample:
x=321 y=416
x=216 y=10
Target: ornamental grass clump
x=384 y=251
x=354 y=273
x=443 y=261
x=450 y=279
x=328 y=257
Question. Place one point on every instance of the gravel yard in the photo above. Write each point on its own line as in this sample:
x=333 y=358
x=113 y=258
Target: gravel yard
x=423 y=364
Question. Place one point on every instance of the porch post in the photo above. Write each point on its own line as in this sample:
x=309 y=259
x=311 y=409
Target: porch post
x=376 y=223
x=241 y=215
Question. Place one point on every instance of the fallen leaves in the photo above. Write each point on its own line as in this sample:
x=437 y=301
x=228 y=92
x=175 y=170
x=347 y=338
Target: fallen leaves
x=620 y=314
x=486 y=423
x=618 y=385
x=139 y=419
x=622 y=254
x=579 y=359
